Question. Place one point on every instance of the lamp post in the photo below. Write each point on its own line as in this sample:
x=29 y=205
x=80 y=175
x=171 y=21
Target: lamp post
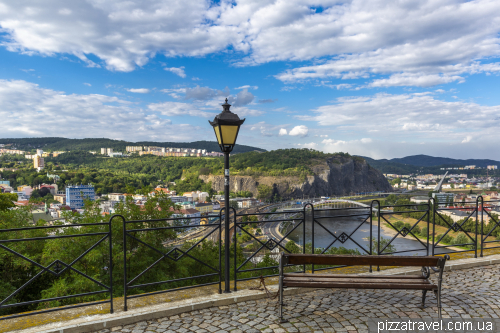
x=226 y=126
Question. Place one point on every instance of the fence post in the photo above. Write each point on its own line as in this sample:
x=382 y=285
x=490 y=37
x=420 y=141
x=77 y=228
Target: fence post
x=124 y=265
x=220 y=251
x=371 y=228
x=110 y=268
x=312 y=235
x=433 y=223
x=235 y=249
x=477 y=212
x=378 y=234
x=304 y=234
x=428 y=222
x=482 y=224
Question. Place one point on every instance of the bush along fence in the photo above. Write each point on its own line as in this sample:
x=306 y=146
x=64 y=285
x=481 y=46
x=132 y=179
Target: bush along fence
x=46 y=267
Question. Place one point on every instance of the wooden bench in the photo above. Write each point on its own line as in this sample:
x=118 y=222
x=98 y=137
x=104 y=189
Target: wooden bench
x=305 y=280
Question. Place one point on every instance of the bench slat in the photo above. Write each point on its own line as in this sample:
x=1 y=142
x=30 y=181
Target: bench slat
x=347 y=280
x=363 y=260
x=399 y=277
x=361 y=285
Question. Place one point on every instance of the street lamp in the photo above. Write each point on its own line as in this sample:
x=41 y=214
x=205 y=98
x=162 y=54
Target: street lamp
x=226 y=126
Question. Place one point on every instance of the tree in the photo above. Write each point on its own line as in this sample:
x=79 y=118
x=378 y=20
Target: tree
x=7 y=200
x=293 y=247
x=233 y=204
x=264 y=191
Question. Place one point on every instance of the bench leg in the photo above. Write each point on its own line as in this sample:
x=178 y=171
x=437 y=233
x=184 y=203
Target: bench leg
x=280 y=291
x=424 y=292
x=439 y=299
x=282 y=320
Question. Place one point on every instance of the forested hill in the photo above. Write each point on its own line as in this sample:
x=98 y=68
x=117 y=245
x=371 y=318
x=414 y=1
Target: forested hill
x=430 y=161
x=426 y=164
x=63 y=144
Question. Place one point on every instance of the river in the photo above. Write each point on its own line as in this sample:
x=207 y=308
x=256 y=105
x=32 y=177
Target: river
x=338 y=225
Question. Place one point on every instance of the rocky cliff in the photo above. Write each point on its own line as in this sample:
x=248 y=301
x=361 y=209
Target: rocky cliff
x=337 y=175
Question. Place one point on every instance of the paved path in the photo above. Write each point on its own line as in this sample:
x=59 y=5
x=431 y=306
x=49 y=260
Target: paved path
x=468 y=293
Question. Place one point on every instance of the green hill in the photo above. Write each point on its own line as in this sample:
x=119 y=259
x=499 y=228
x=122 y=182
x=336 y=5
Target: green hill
x=55 y=144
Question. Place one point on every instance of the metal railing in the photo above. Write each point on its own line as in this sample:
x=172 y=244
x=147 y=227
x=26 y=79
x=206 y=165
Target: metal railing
x=170 y=226
x=150 y=256
x=59 y=267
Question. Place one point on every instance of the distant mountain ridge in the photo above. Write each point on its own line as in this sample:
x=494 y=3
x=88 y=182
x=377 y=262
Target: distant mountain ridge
x=431 y=161
x=55 y=143
x=423 y=163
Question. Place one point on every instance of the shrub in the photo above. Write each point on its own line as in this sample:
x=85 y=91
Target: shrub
x=461 y=239
x=416 y=230
x=446 y=239
x=293 y=247
x=423 y=232
x=398 y=225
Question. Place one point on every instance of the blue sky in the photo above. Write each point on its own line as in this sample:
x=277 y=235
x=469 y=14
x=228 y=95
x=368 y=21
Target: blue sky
x=375 y=78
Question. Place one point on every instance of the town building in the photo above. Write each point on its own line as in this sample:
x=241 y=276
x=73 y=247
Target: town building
x=116 y=196
x=246 y=202
x=178 y=198
x=60 y=198
x=76 y=194
x=194 y=214
x=204 y=208
x=196 y=196
x=187 y=205
x=443 y=198
x=131 y=149
x=419 y=199
x=38 y=162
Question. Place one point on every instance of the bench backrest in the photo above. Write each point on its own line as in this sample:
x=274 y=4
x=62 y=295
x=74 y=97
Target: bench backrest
x=360 y=260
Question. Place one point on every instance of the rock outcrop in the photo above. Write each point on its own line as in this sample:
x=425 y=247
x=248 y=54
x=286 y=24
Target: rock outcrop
x=337 y=175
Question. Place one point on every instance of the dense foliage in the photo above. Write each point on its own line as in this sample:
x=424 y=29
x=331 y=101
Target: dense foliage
x=143 y=249
x=110 y=175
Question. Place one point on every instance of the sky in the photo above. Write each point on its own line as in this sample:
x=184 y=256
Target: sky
x=375 y=78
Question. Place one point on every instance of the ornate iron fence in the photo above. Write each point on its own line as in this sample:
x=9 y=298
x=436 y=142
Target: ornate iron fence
x=170 y=252
x=155 y=251
x=443 y=219
x=268 y=221
x=10 y=242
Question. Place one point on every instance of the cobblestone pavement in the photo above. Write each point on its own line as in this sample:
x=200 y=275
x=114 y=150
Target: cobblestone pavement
x=468 y=293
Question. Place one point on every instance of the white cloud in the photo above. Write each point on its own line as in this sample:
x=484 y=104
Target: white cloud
x=408 y=117
x=243 y=97
x=172 y=109
x=177 y=71
x=247 y=87
x=87 y=84
x=246 y=112
x=468 y=138
x=312 y=145
x=265 y=129
x=300 y=130
x=28 y=110
x=282 y=132
x=198 y=93
x=351 y=39
x=417 y=80
x=138 y=90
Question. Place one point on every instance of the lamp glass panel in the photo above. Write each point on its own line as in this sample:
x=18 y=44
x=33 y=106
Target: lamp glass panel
x=229 y=133
x=217 y=134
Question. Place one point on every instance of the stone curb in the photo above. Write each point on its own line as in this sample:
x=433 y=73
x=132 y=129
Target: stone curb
x=107 y=321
